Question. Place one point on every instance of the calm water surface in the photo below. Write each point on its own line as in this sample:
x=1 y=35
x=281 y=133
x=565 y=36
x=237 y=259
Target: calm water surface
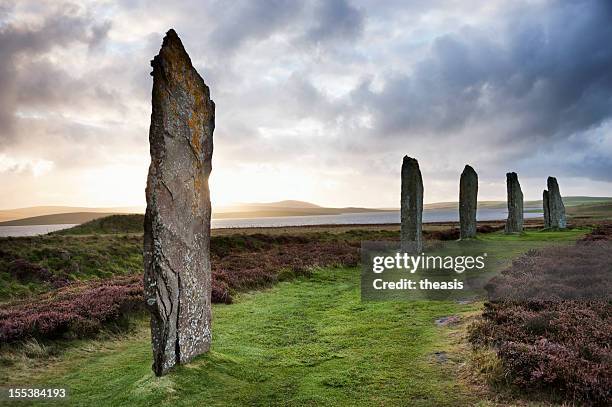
x=31 y=230
x=343 y=219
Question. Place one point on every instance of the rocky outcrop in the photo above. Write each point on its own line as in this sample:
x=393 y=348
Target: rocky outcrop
x=468 y=199
x=177 y=278
x=556 y=209
x=514 y=224
x=411 y=204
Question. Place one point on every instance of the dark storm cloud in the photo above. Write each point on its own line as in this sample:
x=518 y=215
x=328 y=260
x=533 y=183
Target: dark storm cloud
x=553 y=72
x=304 y=22
x=548 y=70
x=252 y=21
x=26 y=76
x=335 y=19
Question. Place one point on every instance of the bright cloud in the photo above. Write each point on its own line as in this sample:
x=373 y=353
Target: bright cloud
x=316 y=100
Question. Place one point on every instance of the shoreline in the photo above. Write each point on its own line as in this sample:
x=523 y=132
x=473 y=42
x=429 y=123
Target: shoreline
x=329 y=228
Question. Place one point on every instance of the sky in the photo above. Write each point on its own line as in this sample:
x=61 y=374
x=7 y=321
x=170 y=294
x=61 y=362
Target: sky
x=315 y=100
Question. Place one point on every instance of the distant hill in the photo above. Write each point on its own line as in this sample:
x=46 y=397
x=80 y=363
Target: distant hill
x=455 y=205
x=266 y=212
x=568 y=201
x=581 y=200
x=293 y=204
x=48 y=215
x=591 y=211
x=22 y=213
x=134 y=223
x=37 y=215
x=280 y=206
x=57 y=219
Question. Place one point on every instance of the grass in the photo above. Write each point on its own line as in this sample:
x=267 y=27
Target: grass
x=310 y=341
x=306 y=342
x=111 y=246
x=601 y=210
x=106 y=225
x=75 y=258
x=544 y=235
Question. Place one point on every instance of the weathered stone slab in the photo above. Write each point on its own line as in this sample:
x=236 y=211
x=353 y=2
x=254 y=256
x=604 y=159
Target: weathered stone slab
x=556 y=209
x=177 y=279
x=514 y=223
x=411 y=233
x=468 y=201
x=546 y=207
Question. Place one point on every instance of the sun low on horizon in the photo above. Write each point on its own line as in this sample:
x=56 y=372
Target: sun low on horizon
x=313 y=109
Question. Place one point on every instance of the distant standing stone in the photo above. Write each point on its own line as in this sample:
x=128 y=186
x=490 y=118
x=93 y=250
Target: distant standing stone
x=556 y=209
x=177 y=279
x=411 y=206
x=546 y=207
x=468 y=200
x=514 y=224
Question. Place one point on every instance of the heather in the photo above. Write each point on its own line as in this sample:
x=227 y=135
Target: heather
x=31 y=265
x=306 y=339
x=40 y=272
x=239 y=264
x=551 y=325
x=72 y=311
x=305 y=342
x=454 y=233
x=579 y=272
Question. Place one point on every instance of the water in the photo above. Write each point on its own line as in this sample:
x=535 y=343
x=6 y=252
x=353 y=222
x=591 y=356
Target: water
x=31 y=230
x=365 y=218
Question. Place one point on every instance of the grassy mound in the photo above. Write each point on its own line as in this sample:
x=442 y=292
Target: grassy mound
x=107 y=225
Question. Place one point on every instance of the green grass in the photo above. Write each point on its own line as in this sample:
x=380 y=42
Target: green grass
x=108 y=224
x=307 y=342
x=544 y=235
x=77 y=258
x=310 y=341
x=592 y=211
x=92 y=254
x=502 y=248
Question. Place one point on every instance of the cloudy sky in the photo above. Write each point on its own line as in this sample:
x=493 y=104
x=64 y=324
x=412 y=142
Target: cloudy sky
x=316 y=100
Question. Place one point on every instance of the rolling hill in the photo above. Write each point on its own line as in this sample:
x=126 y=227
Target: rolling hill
x=48 y=215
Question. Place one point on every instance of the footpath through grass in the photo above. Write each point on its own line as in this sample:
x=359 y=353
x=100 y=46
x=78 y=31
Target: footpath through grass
x=307 y=342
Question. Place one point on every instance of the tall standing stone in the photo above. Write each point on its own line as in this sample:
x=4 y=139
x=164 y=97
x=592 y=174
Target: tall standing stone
x=177 y=278
x=411 y=233
x=556 y=209
x=468 y=200
x=546 y=207
x=514 y=224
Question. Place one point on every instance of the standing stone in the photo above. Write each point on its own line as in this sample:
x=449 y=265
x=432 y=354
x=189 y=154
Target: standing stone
x=411 y=207
x=177 y=278
x=546 y=206
x=514 y=224
x=556 y=209
x=468 y=199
